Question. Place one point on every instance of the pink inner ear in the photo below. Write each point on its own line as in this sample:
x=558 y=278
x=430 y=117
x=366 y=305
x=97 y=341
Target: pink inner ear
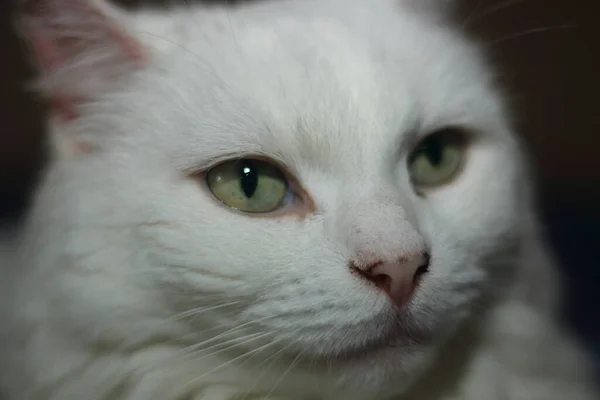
x=61 y=33
x=48 y=59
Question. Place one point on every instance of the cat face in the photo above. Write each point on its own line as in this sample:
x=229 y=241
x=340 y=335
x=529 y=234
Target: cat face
x=333 y=185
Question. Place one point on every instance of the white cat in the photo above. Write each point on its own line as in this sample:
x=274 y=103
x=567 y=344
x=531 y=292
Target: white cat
x=309 y=199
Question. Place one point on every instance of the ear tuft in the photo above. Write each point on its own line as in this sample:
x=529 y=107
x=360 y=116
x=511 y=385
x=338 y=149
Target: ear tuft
x=80 y=47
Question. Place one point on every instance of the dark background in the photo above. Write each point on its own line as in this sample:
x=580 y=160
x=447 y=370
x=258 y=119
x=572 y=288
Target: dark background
x=548 y=57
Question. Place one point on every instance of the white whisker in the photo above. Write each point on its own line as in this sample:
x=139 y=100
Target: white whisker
x=283 y=375
x=196 y=311
x=229 y=331
x=233 y=360
x=475 y=17
x=273 y=357
x=530 y=32
x=237 y=342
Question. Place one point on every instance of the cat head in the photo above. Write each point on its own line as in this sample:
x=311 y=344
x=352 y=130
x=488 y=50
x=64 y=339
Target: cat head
x=327 y=180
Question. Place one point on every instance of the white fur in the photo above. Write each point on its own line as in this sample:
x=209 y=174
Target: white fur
x=121 y=242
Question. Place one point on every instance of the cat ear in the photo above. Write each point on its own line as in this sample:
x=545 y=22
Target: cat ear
x=81 y=49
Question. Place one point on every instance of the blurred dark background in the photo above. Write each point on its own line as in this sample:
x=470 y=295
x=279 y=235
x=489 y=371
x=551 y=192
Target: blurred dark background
x=547 y=52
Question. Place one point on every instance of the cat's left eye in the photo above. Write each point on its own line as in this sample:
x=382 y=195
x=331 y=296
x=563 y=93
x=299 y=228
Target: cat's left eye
x=438 y=159
x=249 y=185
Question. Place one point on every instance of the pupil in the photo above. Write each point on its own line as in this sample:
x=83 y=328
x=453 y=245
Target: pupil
x=248 y=177
x=434 y=149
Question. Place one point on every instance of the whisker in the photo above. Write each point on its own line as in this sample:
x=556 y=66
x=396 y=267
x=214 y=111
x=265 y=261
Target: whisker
x=476 y=17
x=248 y=338
x=293 y=363
x=273 y=357
x=531 y=32
x=196 y=311
x=472 y=13
x=190 y=336
x=233 y=360
x=197 y=348
x=229 y=331
x=185 y=353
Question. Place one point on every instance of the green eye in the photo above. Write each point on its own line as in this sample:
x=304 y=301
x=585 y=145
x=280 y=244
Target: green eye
x=248 y=185
x=438 y=159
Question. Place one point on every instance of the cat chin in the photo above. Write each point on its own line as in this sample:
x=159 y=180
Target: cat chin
x=387 y=365
x=397 y=341
x=384 y=372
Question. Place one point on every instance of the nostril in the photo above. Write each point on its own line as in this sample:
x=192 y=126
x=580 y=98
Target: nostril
x=381 y=280
x=422 y=270
x=399 y=279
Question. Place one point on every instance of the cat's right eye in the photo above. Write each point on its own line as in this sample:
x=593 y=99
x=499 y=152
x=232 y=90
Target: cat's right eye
x=437 y=159
x=249 y=185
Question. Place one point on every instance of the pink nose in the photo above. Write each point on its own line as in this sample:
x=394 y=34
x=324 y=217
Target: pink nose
x=397 y=279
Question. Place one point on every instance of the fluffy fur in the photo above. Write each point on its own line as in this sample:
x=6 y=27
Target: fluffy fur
x=130 y=281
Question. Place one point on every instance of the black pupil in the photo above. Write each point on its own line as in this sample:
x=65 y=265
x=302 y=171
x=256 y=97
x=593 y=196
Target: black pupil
x=434 y=151
x=248 y=173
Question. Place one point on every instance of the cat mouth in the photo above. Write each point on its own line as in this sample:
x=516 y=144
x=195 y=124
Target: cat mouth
x=399 y=335
x=368 y=350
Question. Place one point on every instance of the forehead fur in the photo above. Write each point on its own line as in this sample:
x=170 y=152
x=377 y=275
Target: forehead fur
x=314 y=78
